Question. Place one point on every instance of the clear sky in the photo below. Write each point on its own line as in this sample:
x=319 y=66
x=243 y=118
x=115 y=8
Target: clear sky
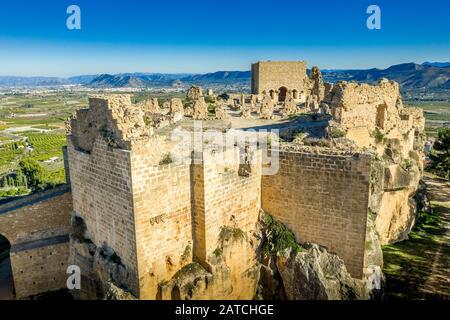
x=178 y=36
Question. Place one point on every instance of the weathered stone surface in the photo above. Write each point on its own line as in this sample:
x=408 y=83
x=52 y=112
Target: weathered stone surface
x=221 y=112
x=150 y=105
x=115 y=293
x=114 y=118
x=271 y=76
x=176 y=105
x=316 y=275
x=318 y=87
x=246 y=113
x=267 y=107
x=194 y=93
x=289 y=106
x=200 y=109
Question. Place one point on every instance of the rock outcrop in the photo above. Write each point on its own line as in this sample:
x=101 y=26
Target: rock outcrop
x=314 y=274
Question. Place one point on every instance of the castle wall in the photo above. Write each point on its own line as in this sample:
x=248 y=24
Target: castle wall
x=272 y=75
x=323 y=199
x=102 y=197
x=37 y=227
x=224 y=198
x=163 y=217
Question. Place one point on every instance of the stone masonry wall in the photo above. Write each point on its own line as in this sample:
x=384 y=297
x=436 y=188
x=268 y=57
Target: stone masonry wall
x=271 y=75
x=224 y=198
x=37 y=227
x=323 y=199
x=163 y=218
x=102 y=197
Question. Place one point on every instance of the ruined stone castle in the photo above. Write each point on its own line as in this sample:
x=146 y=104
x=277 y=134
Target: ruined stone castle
x=141 y=224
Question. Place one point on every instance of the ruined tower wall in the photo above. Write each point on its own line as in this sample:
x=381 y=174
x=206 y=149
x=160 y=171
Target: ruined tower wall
x=224 y=198
x=322 y=199
x=361 y=108
x=163 y=217
x=271 y=75
x=37 y=227
x=102 y=197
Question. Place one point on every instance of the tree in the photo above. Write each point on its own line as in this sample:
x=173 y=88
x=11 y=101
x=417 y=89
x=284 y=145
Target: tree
x=441 y=154
x=34 y=173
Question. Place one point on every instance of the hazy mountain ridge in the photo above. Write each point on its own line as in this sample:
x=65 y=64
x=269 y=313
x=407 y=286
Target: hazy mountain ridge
x=429 y=75
x=408 y=75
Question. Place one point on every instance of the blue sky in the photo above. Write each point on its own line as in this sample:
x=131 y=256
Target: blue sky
x=179 y=36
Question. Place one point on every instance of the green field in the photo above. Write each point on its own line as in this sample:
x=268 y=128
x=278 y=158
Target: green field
x=437 y=114
x=32 y=127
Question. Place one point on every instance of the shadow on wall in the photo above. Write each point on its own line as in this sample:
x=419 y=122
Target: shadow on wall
x=6 y=277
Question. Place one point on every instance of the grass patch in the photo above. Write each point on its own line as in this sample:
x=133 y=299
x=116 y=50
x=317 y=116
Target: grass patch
x=408 y=264
x=337 y=133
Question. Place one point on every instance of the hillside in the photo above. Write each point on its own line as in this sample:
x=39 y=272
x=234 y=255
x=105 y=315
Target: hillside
x=429 y=75
x=408 y=75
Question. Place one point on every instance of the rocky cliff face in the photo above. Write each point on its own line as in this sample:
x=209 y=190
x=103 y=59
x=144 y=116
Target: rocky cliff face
x=311 y=273
x=270 y=265
x=232 y=271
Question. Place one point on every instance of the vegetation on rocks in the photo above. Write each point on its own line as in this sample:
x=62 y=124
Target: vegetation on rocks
x=378 y=135
x=278 y=237
x=231 y=233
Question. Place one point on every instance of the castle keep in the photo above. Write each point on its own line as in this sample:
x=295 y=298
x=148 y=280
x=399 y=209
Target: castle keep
x=153 y=218
x=277 y=78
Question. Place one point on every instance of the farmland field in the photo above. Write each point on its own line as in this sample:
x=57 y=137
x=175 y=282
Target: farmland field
x=32 y=127
x=437 y=114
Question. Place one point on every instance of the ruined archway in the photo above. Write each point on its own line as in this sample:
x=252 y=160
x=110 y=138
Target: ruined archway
x=282 y=94
x=295 y=94
x=6 y=275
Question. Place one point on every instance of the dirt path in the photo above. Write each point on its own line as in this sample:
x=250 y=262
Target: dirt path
x=438 y=282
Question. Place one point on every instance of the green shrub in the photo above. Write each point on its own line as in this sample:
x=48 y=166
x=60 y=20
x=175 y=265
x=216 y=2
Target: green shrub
x=212 y=109
x=337 y=133
x=407 y=164
x=278 y=238
x=378 y=135
x=210 y=99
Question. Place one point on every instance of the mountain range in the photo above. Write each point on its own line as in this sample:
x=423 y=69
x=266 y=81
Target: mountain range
x=429 y=75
